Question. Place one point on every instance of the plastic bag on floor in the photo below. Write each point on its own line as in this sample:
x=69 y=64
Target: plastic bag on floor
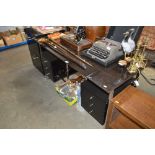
x=71 y=91
x=68 y=92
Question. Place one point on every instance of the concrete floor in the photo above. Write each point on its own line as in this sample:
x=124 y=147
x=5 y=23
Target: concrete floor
x=28 y=100
x=145 y=86
x=149 y=72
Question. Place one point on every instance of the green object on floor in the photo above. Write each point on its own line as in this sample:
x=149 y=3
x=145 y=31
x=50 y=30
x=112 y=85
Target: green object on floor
x=69 y=97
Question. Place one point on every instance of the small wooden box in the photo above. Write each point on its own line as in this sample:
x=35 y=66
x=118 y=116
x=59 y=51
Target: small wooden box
x=76 y=47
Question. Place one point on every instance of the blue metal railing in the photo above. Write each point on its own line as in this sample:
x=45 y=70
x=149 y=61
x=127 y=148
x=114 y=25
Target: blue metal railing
x=12 y=46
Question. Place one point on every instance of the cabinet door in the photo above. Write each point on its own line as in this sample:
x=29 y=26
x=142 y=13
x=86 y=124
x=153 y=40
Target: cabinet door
x=100 y=108
x=47 y=67
x=94 y=101
x=35 y=54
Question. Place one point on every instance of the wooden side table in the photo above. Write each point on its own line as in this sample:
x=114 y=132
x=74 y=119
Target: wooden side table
x=131 y=109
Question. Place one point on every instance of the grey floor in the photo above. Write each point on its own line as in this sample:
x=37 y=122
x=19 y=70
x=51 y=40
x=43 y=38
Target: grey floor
x=28 y=100
x=149 y=72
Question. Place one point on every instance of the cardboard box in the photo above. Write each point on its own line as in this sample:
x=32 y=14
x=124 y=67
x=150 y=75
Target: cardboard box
x=5 y=33
x=2 y=43
x=13 y=39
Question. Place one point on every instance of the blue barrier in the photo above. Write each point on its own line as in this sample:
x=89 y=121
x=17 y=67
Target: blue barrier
x=12 y=46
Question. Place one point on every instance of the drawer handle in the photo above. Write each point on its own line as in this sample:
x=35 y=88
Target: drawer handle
x=91 y=97
x=91 y=104
x=45 y=61
x=35 y=58
x=90 y=111
x=46 y=77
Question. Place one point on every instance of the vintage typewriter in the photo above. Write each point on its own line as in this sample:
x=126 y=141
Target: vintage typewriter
x=105 y=51
x=76 y=41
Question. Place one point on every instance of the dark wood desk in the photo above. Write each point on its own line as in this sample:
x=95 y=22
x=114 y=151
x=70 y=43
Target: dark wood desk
x=107 y=78
x=102 y=83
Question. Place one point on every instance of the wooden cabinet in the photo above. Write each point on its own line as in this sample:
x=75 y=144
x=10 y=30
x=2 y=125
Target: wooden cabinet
x=131 y=109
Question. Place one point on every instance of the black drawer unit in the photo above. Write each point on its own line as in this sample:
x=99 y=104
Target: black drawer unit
x=35 y=54
x=54 y=68
x=94 y=100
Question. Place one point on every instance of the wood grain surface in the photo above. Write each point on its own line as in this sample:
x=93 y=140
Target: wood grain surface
x=137 y=105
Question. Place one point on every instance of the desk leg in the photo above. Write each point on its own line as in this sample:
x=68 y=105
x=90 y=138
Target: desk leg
x=67 y=69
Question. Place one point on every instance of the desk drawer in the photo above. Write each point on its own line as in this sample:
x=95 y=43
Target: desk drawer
x=35 y=54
